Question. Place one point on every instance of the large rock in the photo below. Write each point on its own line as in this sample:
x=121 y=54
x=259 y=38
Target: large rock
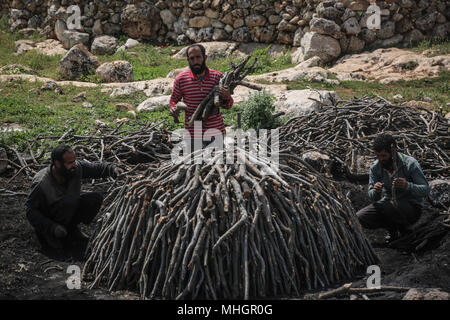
x=355 y=44
x=351 y=26
x=200 y=22
x=116 y=71
x=298 y=35
x=325 y=47
x=70 y=38
x=325 y=27
x=297 y=102
x=387 y=30
x=426 y=294
x=153 y=103
x=414 y=36
x=255 y=20
x=427 y=22
x=439 y=193
x=104 y=45
x=77 y=62
x=167 y=18
x=141 y=21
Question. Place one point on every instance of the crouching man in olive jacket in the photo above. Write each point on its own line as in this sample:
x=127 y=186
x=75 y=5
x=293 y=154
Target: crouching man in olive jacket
x=55 y=205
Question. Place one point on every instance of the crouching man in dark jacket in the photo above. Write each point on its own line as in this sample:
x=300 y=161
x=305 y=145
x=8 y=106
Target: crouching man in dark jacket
x=397 y=187
x=55 y=205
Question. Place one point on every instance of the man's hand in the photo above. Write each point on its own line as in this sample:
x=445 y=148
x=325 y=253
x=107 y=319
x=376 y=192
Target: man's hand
x=117 y=171
x=224 y=93
x=175 y=112
x=378 y=187
x=400 y=183
x=59 y=231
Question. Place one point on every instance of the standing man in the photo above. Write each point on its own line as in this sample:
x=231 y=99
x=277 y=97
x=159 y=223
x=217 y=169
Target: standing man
x=55 y=205
x=397 y=186
x=193 y=86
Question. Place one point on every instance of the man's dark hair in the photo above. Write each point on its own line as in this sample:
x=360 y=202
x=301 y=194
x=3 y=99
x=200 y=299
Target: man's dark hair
x=384 y=142
x=202 y=49
x=58 y=152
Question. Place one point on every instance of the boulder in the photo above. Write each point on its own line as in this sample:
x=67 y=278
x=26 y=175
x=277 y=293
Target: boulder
x=131 y=43
x=116 y=71
x=441 y=31
x=167 y=18
x=414 y=36
x=439 y=193
x=78 y=61
x=325 y=27
x=255 y=20
x=297 y=102
x=351 y=26
x=22 y=46
x=71 y=38
x=123 y=91
x=387 y=30
x=141 y=21
x=298 y=35
x=241 y=35
x=426 y=294
x=426 y=22
x=104 y=45
x=200 y=22
x=153 y=103
x=355 y=44
x=387 y=43
x=325 y=47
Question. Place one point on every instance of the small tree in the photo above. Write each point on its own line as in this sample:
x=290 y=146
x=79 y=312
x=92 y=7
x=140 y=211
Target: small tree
x=258 y=112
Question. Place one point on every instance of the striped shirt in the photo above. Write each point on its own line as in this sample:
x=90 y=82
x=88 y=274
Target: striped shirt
x=189 y=88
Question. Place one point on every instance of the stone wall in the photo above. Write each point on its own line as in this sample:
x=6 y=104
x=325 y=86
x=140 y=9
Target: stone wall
x=326 y=28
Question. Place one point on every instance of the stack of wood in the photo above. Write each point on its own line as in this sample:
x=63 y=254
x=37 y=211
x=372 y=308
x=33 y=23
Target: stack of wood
x=227 y=231
x=348 y=129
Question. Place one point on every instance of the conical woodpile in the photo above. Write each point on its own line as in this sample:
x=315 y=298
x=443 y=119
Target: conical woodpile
x=227 y=231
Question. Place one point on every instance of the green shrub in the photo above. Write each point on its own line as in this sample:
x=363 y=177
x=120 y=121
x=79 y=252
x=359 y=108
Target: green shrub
x=257 y=112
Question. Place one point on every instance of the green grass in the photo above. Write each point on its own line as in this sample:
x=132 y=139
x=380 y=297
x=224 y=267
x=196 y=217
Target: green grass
x=46 y=113
x=439 y=47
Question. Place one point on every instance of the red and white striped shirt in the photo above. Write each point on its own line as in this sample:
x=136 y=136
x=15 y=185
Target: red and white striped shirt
x=189 y=88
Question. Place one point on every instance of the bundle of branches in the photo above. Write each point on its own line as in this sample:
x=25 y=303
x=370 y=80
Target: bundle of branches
x=227 y=231
x=348 y=129
x=211 y=103
x=149 y=144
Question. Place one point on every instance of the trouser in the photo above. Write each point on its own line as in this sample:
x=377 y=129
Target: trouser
x=72 y=210
x=383 y=214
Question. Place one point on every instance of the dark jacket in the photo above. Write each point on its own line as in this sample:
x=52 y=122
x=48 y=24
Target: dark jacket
x=409 y=169
x=46 y=191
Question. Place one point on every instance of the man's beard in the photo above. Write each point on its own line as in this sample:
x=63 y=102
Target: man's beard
x=387 y=164
x=66 y=173
x=198 y=69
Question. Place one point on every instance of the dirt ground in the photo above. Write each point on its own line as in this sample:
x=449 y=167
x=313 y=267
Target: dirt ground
x=28 y=273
